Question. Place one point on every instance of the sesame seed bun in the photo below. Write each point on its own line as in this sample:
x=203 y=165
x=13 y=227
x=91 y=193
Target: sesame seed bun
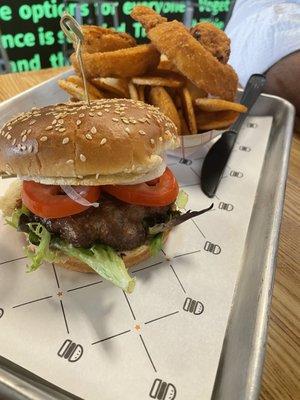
x=114 y=141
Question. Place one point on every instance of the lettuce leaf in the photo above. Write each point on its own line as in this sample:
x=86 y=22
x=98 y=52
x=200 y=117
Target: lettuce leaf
x=102 y=259
x=181 y=200
x=176 y=220
x=41 y=238
x=156 y=244
x=16 y=215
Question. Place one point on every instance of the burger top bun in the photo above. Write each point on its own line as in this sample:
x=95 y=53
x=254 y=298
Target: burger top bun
x=112 y=141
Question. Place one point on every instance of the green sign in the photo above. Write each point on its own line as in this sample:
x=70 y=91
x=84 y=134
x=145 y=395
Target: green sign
x=32 y=38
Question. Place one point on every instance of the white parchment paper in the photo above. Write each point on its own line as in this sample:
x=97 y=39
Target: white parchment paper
x=163 y=341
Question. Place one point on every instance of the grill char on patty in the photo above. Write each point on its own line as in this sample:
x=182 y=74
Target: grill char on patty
x=114 y=223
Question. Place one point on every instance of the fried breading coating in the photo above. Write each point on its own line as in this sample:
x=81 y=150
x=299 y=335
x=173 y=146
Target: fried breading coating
x=147 y=17
x=160 y=98
x=219 y=105
x=207 y=120
x=213 y=39
x=134 y=61
x=188 y=55
x=98 y=39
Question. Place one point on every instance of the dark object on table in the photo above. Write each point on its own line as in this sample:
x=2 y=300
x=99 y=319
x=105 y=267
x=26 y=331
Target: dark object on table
x=218 y=155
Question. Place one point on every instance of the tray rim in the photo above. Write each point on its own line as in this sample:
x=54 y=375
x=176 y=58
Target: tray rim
x=21 y=384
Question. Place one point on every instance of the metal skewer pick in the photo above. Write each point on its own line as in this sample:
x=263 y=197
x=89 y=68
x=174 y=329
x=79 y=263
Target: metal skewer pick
x=182 y=148
x=73 y=32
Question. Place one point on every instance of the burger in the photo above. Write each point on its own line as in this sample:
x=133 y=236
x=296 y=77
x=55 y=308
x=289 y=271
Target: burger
x=93 y=193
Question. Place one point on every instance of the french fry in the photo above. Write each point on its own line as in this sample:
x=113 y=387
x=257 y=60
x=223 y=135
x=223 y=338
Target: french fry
x=176 y=97
x=195 y=92
x=212 y=105
x=141 y=92
x=188 y=108
x=93 y=91
x=74 y=90
x=118 y=86
x=132 y=91
x=184 y=126
x=173 y=82
x=160 y=98
x=207 y=120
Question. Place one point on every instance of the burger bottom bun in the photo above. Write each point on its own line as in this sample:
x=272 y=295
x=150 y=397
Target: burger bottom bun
x=130 y=258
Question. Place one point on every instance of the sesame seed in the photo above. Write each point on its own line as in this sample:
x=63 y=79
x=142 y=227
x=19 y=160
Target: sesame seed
x=65 y=140
x=148 y=115
x=81 y=115
x=160 y=139
x=30 y=148
x=54 y=122
x=19 y=146
x=61 y=129
x=70 y=162
x=29 y=131
x=79 y=176
x=82 y=157
x=94 y=130
x=152 y=141
x=14 y=142
x=127 y=129
x=43 y=139
x=9 y=128
x=60 y=121
x=23 y=147
x=106 y=109
x=103 y=141
x=24 y=138
x=115 y=119
x=125 y=121
x=91 y=114
x=32 y=122
x=97 y=176
x=99 y=113
x=78 y=122
x=88 y=136
x=142 y=132
x=23 y=133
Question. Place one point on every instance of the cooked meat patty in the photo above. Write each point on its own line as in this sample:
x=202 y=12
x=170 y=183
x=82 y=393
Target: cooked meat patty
x=114 y=223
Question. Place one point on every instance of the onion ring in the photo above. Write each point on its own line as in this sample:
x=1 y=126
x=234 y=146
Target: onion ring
x=123 y=63
x=188 y=55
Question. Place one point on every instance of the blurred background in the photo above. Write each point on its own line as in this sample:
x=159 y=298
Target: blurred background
x=31 y=38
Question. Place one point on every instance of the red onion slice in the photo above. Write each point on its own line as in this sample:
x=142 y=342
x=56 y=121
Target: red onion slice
x=76 y=195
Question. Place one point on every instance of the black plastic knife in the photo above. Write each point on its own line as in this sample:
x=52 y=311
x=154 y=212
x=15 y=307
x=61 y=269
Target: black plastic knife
x=218 y=155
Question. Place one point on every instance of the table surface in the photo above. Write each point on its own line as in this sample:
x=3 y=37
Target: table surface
x=280 y=379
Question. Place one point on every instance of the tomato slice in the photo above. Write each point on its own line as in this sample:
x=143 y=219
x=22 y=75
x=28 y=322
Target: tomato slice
x=49 y=201
x=160 y=192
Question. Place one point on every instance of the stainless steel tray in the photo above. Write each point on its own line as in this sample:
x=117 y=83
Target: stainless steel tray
x=239 y=374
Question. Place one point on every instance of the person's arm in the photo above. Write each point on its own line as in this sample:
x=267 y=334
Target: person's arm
x=265 y=39
x=283 y=79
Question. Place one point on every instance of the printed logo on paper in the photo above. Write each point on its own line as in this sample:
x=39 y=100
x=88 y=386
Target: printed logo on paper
x=161 y=390
x=70 y=351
